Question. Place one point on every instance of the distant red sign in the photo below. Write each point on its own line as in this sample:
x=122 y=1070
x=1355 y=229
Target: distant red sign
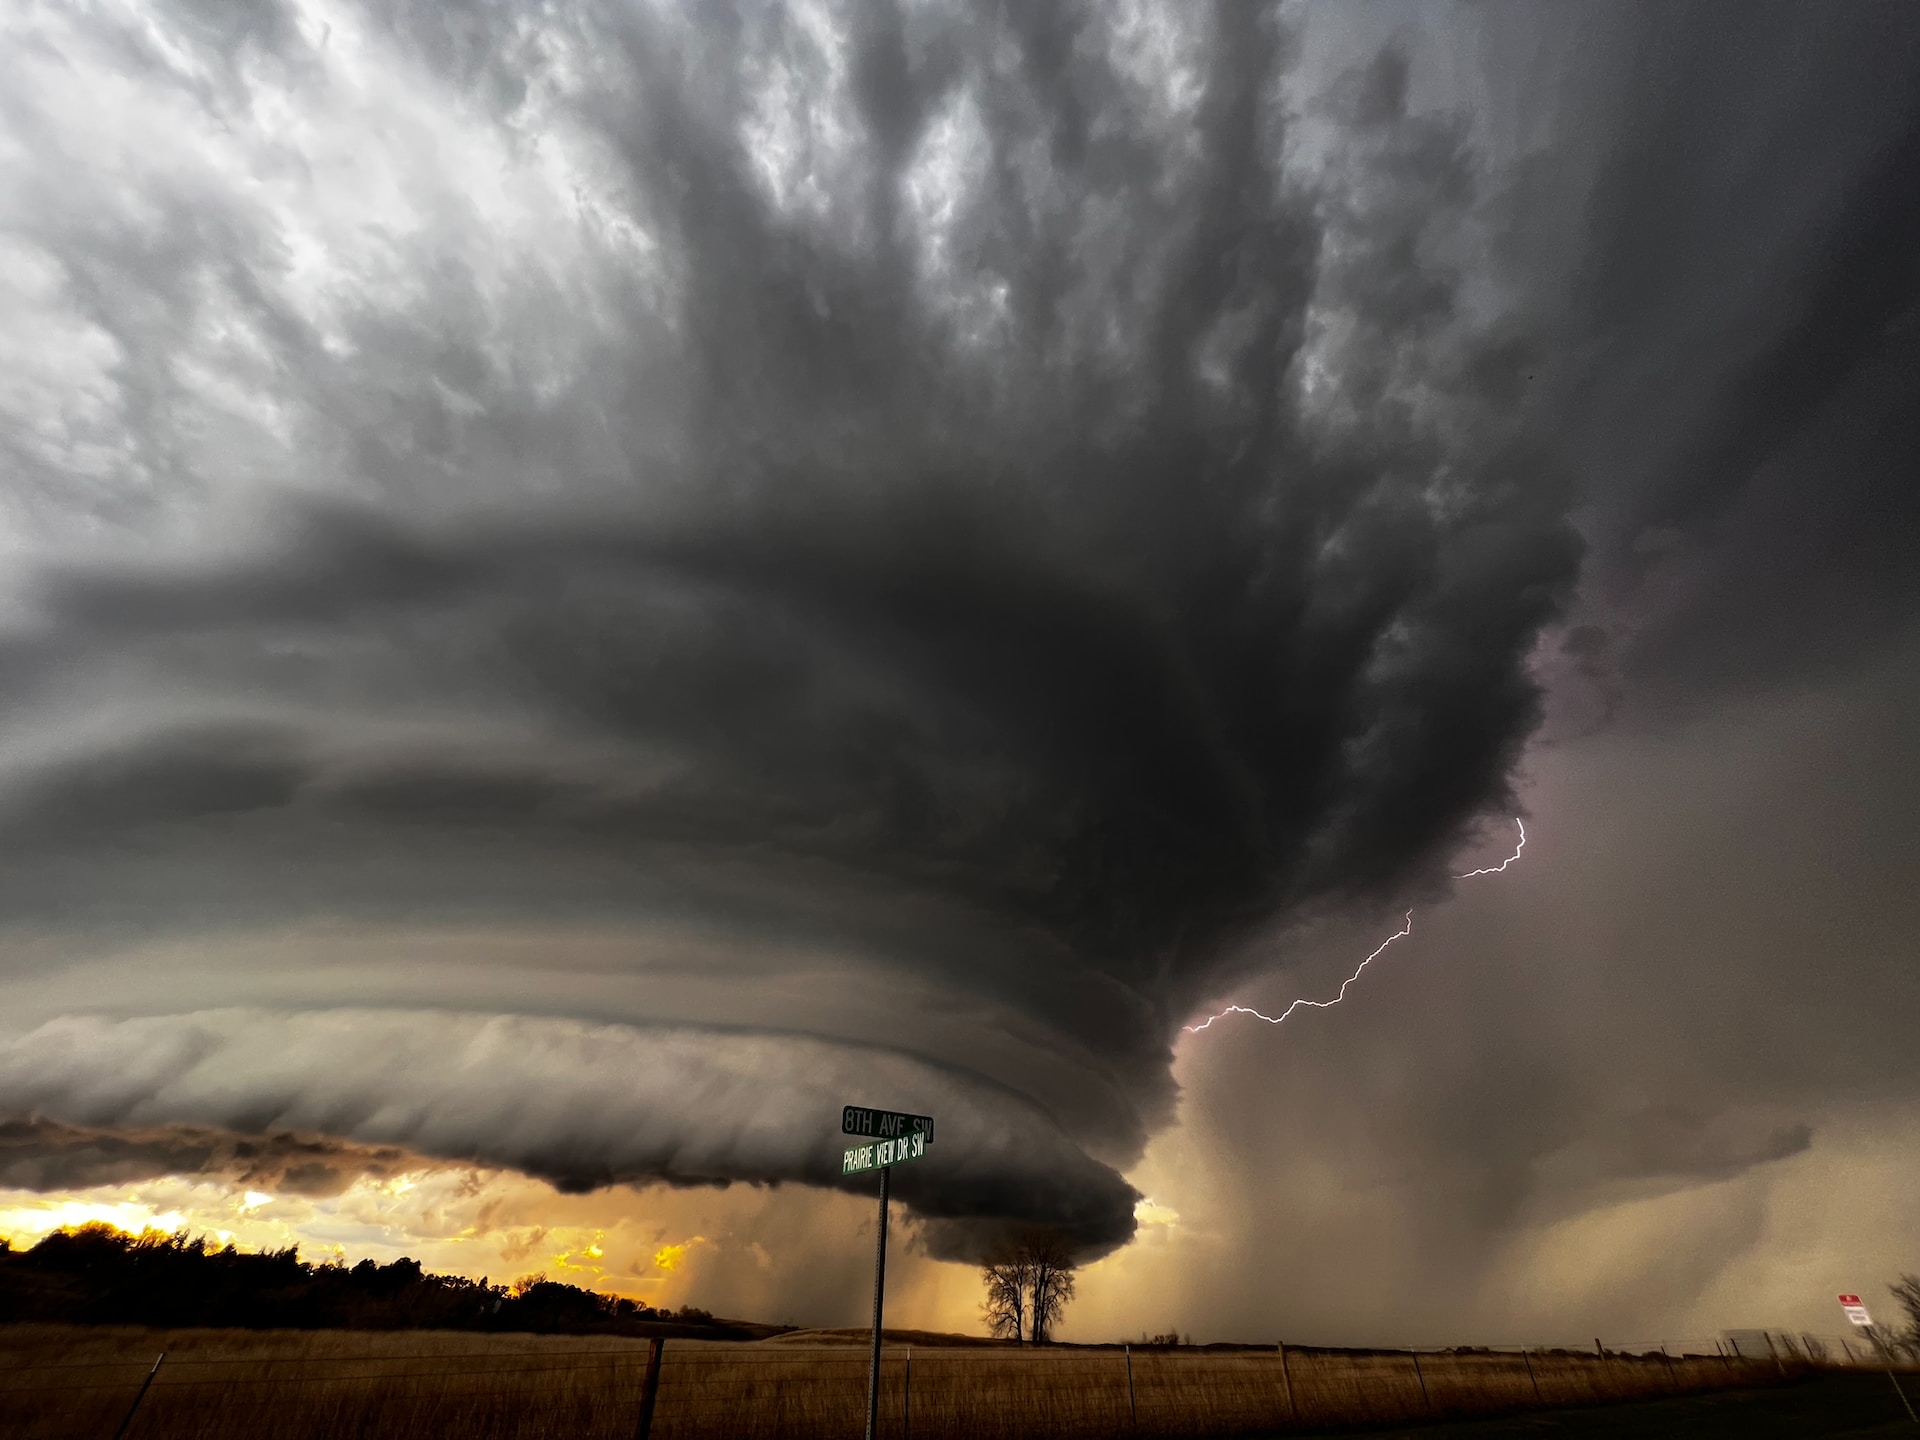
x=1849 y=1299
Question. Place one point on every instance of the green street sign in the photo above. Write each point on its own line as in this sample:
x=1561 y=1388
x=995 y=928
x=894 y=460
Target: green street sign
x=898 y=1138
x=878 y=1154
x=884 y=1124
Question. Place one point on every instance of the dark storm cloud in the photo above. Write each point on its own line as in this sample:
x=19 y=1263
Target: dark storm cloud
x=1027 y=514
x=583 y=1106
x=42 y=1155
x=170 y=777
x=1623 y=1085
x=1747 y=313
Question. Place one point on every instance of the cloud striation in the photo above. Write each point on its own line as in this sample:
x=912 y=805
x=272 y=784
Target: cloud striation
x=605 y=582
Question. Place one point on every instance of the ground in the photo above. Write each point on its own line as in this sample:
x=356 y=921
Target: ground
x=1856 y=1406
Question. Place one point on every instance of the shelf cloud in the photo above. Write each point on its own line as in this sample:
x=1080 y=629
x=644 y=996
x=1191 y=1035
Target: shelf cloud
x=855 y=553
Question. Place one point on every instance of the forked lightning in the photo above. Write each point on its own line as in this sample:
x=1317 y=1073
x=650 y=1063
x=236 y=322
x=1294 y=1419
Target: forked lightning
x=1497 y=869
x=1400 y=934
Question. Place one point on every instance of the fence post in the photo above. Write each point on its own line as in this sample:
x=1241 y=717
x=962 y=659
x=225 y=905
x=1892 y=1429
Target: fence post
x=649 y=1388
x=1675 y=1384
x=906 y=1400
x=1532 y=1379
x=1777 y=1363
x=1133 y=1408
x=1286 y=1374
x=1425 y=1398
x=143 y=1395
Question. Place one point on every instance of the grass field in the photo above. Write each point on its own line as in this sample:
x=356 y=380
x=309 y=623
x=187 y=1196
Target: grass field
x=58 y=1382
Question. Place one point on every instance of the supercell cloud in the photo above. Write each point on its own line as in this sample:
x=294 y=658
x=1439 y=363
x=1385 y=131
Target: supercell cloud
x=587 y=586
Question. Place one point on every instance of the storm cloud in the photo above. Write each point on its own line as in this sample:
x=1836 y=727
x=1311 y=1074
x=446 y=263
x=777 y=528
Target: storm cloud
x=582 y=1106
x=43 y=1155
x=928 y=531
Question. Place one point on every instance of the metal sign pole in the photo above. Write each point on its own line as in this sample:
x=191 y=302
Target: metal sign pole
x=1857 y=1314
x=1886 y=1358
x=898 y=1136
x=879 y=1302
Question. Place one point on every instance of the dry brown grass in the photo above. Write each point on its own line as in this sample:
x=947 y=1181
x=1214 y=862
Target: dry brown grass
x=58 y=1382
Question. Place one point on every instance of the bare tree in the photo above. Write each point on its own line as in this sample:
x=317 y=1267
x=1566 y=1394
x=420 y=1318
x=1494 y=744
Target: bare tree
x=1029 y=1281
x=1005 y=1276
x=1907 y=1291
x=1050 y=1281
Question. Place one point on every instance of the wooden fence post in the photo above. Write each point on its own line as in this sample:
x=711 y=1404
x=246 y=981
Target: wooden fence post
x=1286 y=1374
x=1425 y=1398
x=138 y=1398
x=649 y=1388
x=906 y=1400
x=1532 y=1379
x=1133 y=1408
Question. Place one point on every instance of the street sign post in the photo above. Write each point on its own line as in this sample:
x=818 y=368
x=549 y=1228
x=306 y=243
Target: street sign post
x=1857 y=1313
x=897 y=1138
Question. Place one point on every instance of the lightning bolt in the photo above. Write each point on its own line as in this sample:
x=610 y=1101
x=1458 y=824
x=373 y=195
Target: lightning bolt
x=1400 y=934
x=1501 y=867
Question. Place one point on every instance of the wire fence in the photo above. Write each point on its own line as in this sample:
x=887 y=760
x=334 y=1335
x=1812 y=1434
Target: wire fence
x=381 y=1390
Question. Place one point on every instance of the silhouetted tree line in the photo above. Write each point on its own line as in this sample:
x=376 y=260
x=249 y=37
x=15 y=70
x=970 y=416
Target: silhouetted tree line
x=96 y=1274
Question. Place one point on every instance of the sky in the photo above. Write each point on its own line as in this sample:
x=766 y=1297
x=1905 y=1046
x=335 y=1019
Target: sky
x=581 y=588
